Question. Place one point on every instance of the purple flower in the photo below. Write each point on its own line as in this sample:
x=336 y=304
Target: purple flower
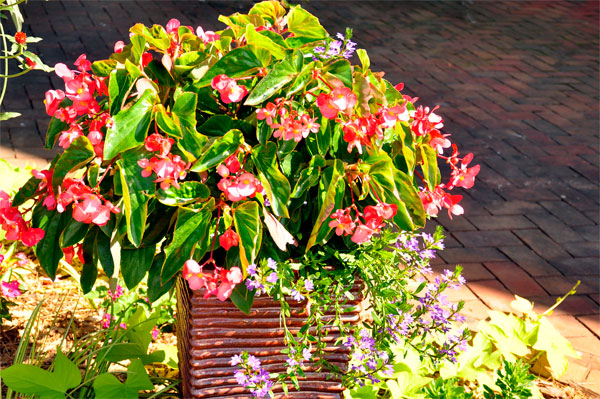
x=297 y=296
x=272 y=278
x=253 y=362
x=272 y=264
x=235 y=360
x=251 y=269
x=309 y=285
x=306 y=355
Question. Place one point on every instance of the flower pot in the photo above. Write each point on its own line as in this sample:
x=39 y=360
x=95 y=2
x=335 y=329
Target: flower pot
x=211 y=332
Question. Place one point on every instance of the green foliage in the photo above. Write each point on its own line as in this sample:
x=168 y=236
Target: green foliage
x=514 y=381
x=82 y=371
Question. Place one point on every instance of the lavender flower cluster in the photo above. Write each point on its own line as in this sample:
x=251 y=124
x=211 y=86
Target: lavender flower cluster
x=262 y=280
x=417 y=255
x=365 y=359
x=344 y=47
x=251 y=375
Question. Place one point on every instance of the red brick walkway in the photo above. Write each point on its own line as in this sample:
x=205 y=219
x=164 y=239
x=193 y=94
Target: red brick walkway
x=518 y=85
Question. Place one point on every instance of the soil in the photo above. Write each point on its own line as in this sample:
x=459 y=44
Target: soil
x=64 y=294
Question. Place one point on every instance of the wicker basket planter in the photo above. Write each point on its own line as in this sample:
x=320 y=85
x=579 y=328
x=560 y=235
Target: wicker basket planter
x=211 y=332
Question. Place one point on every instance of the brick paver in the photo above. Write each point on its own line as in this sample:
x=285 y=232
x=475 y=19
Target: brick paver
x=517 y=83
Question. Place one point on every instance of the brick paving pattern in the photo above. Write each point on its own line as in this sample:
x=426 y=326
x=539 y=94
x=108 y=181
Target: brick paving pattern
x=518 y=86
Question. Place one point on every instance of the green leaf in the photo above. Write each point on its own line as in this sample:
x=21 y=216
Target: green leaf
x=431 y=173
x=220 y=149
x=364 y=59
x=89 y=273
x=274 y=182
x=157 y=72
x=242 y=298
x=135 y=263
x=303 y=24
x=26 y=192
x=255 y=38
x=156 y=288
x=395 y=187
x=218 y=125
x=166 y=123
x=342 y=70
x=331 y=193
x=107 y=386
x=237 y=63
x=136 y=190
x=130 y=126
x=184 y=115
x=138 y=47
x=119 y=85
x=268 y=9
x=191 y=227
x=48 y=250
x=55 y=128
x=4 y=116
x=309 y=176
x=249 y=227
x=104 y=253
x=155 y=36
x=189 y=191
x=78 y=154
x=66 y=371
x=280 y=75
x=103 y=67
x=32 y=380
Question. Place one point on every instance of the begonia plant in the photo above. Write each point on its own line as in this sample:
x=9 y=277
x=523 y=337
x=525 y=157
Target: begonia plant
x=208 y=153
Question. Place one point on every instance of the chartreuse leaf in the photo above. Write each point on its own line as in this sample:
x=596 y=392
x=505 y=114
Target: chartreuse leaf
x=189 y=191
x=191 y=226
x=130 y=126
x=237 y=63
x=107 y=386
x=303 y=24
x=155 y=36
x=268 y=9
x=136 y=191
x=48 y=250
x=103 y=67
x=556 y=346
x=135 y=263
x=274 y=182
x=364 y=392
x=331 y=193
x=32 y=380
x=247 y=222
x=280 y=75
x=219 y=150
x=364 y=58
x=429 y=166
x=395 y=187
x=255 y=38
x=79 y=153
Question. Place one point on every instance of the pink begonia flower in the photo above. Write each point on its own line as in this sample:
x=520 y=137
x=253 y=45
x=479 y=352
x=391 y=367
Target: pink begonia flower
x=439 y=141
x=425 y=121
x=463 y=176
x=229 y=90
x=52 y=101
x=326 y=106
x=229 y=239
x=394 y=114
x=155 y=332
x=362 y=234
x=32 y=236
x=173 y=25
x=158 y=143
x=10 y=290
x=343 y=222
x=68 y=136
x=119 y=46
x=230 y=278
x=82 y=63
x=343 y=98
x=208 y=36
x=192 y=272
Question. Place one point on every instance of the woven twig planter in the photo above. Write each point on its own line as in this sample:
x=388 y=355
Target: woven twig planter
x=211 y=332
